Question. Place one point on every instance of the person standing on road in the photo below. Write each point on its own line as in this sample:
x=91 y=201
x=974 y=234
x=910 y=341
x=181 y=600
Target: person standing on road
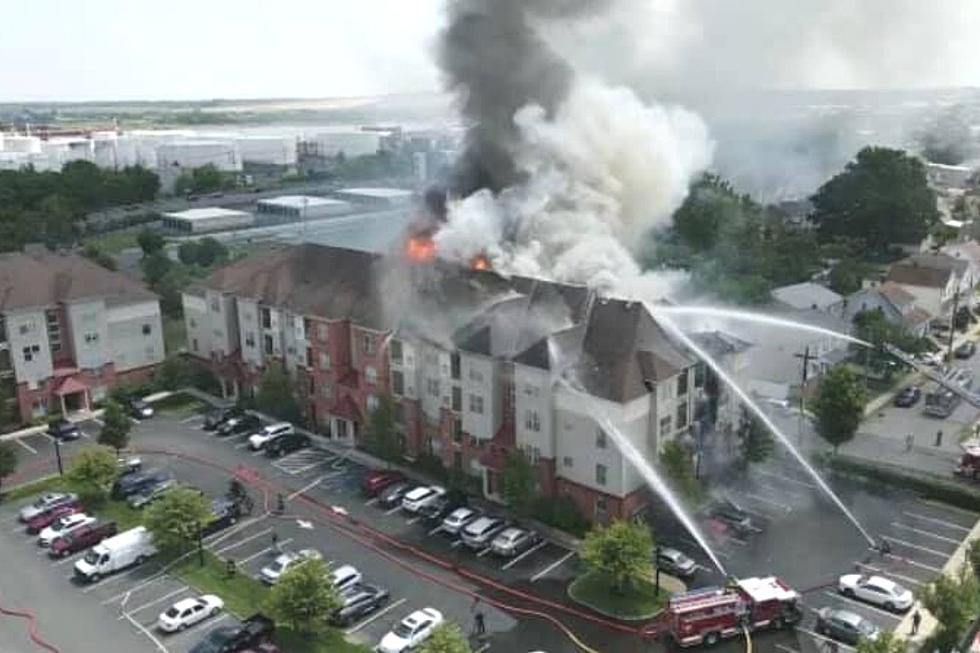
x=275 y=542
x=480 y=626
x=916 y=620
x=939 y=438
x=909 y=442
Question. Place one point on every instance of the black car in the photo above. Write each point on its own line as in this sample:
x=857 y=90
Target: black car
x=966 y=350
x=359 y=601
x=392 y=495
x=239 y=424
x=287 y=444
x=908 y=397
x=130 y=484
x=730 y=514
x=62 y=429
x=433 y=513
x=225 y=511
x=138 y=408
x=230 y=639
x=214 y=418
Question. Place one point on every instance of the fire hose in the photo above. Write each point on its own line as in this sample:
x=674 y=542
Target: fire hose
x=32 y=631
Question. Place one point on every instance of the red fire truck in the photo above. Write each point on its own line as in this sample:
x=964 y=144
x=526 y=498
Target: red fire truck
x=969 y=465
x=708 y=615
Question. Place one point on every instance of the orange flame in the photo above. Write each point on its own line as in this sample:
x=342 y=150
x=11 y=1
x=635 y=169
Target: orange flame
x=480 y=262
x=421 y=249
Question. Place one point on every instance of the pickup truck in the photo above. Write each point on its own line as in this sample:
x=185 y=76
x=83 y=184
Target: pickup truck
x=83 y=538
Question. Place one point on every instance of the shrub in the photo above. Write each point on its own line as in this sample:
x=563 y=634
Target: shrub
x=561 y=513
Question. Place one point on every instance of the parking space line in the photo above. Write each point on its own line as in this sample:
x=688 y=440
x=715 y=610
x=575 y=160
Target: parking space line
x=882 y=572
x=456 y=543
x=435 y=530
x=483 y=552
x=483 y=648
x=105 y=581
x=758 y=513
x=943 y=506
x=26 y=446
x=188 y=420
x=917 y=547
x=547 y=570
x=942 y=522
x=393 y=510
x=242 y=445
x=413 y=520
x=135 y=588
x=140 y=627
x=98 y=421
x=540 y=545
x=909 y=561
x=375 y=616
x=776 y=504
x=71 y=558
x=240 y=542
x=926 y=533
x=825 y=638
x=85 y=434
x=812 y=486
x=265 y=550
x=371 y=502
x=308 y=486
x=210 y=623
x=862 y=604
x=149 y=604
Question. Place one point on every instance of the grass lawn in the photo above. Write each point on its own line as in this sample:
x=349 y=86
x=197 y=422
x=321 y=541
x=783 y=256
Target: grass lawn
x=119 y=512
x=115 y=241
x=639 y=602
x=35 y=487
x=179 y=403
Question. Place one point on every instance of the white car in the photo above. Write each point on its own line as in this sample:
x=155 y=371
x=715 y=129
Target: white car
x=64 y=526
x=268 y=433
x=44 y=503
x=345 y=576
x=875 y=589
x=411 y=631
x=459 y=518
x=273 y=572
x=415 y=499
x=188 y=612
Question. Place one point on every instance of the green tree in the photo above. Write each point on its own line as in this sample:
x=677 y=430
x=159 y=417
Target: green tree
x=276 y=395
x=8 y=408
x=174 y=373
x=519 y=483
x=304 y=598
x=115 y=427
x=954 y=602
x=211 y=251
x=93 y=252
x=847 y=276
x=839 y=405
x=8 y=461
x=150 y=241
x=155 y=267
x=207 y=178
x=446 y=638
x=176 y=518
x=755 y=440
x=882 y=198
x=92 y=472
x=973 y=557
x=621 y=551
x=188 y=252
x=677 y=464
x=886 y=642
x=382 y=438
x=711 y=203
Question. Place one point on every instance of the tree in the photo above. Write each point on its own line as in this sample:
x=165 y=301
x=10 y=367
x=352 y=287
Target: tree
x=847 y=276
x=382 y=438
x=176 y=518
x=711 y=203
x=839 y=405
x=886 y=642
x=276 y=396
x=155 y=267
x=446 y=638
x=677 y=464
x=8 y=461
x=621 y=551
x=304 y=598
x=755 y=440
x=92 y=472
x=973 y=557
x=150 y=241
x=8 y=411
x=174 y=373
x=954 y=602
x=882 y=197
x=187 y=252
x=115 y=427
x=519 y=483
x=93 y=252
x=211 y=251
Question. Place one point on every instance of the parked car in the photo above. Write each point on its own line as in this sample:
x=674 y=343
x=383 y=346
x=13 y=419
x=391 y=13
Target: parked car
x=932 y=358
x=378 y=479
x=188 y=612
x=128 y=465
x=908 y=397
x=138 y=408
x=217 y=416
x=676 y=563
x=42 y=521
x=132 y=547
x=845 y=626
x=358 y=601
x=64 y=526
x=225 y=511
x=411 y=631
x=274 y=570
x=269 y=433
x=436 y=512
x=239 y=424
x=392 y=495
x=513 y=541
x=250 y=633
x=420 y=496
x=46 y=502
x=81 y=539
x=457 y=519
x=480 y=532
x=62 y=429
x=966 y=350
x=345 y=576
x=287 y=443
x=150 y=493
x=877 y=590
x=732 y=515
x=130 y=484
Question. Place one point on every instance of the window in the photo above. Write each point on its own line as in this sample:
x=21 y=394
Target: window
x=699 y=375
x=147 y=329
x=454 y=365
x=371 y=374
x=372 y=403
x=682 y=384
x=457 y=404
x=267 y=341
x=399 y=411
x=432 y=387
x=600 y=439
x=265 y=315
x=398 y=382
x=476 y=404
x=324 y=360
x=30 y=352
x=341 y=428
x=533 y=454
x=531 y=390
x=24 y=329
x=91 y=338
x=249 y=339
x=321 y=332
x=665 y=426
x=396 y=351
x=600 y=474
x=600 y=504
x=567 y=461
x=312 y=387
x=54 y=330
x=476 y=376
x=681 y=415
x=194 y=344
x=457 y=430
x=532 y=421
x=368 y=345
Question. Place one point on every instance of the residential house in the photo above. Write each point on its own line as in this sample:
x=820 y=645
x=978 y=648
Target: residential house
x=933 y=279
x=968 y=251
x=809 y=296
x=895 y=303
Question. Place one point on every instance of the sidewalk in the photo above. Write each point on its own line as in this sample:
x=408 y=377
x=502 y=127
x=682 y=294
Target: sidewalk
x=892 y=451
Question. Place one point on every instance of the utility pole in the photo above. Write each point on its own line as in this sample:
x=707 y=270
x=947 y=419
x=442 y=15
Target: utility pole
x=805 y=357
x=952 y=325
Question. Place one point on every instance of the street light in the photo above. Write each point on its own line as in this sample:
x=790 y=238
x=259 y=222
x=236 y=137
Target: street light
x=57 y=455
x=656 y=577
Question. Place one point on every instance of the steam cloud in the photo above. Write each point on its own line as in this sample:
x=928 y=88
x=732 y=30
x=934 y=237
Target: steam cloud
x=561 y=174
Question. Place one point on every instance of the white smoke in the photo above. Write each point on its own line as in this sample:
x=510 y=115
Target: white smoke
x=598 y=175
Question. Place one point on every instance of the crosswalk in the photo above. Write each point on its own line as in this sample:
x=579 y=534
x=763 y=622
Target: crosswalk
x=304 y=460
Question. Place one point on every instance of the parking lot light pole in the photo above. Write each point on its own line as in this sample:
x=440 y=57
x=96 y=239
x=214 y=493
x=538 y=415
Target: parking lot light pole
x=656 y=575
x=57 y=455
x=200 y=544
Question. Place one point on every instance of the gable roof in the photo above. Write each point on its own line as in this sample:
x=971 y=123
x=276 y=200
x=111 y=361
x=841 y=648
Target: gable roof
x=930 y=270
x=895 y=294
x=807 y=295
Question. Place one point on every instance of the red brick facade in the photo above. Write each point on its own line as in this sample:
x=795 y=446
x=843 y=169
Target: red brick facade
x=47 y=390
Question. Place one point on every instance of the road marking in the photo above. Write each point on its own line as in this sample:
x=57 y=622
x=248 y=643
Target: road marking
x=926 y=533
x=26 y=446
x=735 y=540
x=948 y=524
x=393 y=510
x=303 y=489
x=413 y=520
x=943 y=506
x=125 y=595
x=540 y=545
x=257 y=453
x=373 y=617
x=210 y=623
x=759 y=514
x=914 y=563
x=786 y=478
x=883 y=572
x=154 y=602
x=71 y=558
x=265 y=550
x=188 y=420
x=105 y=581
x=371 y=502
x=873 y=608
x=435 y=530
x=483 y=552
x=456 y=543
x=240 y=542
x=242 y=445
x=483 y=648
x=146 y=632
x=547 y=570
x=85 y=434
x=924 y=549
x=825 y=638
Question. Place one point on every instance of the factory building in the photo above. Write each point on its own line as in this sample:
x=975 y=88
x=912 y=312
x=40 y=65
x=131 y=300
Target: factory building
x=377 y=197
x=204 y=220
x=267 y=150
x=290 y=208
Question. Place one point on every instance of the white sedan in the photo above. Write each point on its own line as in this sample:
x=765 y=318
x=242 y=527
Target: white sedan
x=64 y=526
x=411 y=631
x=274 y=570
x=416 y=499
x=877 y=590
x=188 y=612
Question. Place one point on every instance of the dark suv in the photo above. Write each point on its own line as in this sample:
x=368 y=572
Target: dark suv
x=62 y=429
x=359 y=601
x=286 y=444
x=214 y=418
x=130 y=484
x=731 y=514
x=231 y=639
x=244 y=423
x=225 y=511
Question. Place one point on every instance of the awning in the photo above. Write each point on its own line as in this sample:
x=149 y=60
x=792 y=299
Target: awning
x=70 y=386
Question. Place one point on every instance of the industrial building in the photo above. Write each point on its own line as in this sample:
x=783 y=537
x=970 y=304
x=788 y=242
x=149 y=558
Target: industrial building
x=378 y=197
x=267 y=150
x=204 y=220
x=290 y=208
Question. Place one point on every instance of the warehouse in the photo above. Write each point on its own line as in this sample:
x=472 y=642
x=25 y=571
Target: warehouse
x=267 y=150
x=198 y=221
x=379 y=197
x=289 y=208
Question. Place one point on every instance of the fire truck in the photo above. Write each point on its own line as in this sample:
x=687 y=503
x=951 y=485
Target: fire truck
x=969 y=465
x=707 y=615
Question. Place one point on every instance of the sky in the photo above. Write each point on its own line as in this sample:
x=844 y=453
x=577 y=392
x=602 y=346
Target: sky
x=205 y=49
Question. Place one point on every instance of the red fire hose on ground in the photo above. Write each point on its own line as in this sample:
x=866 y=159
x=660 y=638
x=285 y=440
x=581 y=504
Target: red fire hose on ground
x=32 y=631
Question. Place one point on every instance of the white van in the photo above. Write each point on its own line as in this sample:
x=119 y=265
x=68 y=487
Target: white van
x=118 y=552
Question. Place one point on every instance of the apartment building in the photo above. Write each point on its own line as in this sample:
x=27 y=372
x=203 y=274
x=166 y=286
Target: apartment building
x=70 y=330
x=480 y=367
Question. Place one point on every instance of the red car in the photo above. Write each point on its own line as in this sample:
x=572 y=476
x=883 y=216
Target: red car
x=45 y=519
x=82 y=538
x=378 y=479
